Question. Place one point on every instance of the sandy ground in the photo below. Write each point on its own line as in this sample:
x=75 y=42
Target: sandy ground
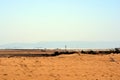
x=63 y=67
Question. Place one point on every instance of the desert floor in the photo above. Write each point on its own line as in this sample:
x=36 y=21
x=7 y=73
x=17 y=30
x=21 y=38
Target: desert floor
x=63 y=67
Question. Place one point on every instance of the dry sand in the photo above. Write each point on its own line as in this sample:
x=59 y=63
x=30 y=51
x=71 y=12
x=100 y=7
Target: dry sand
x=63 y=67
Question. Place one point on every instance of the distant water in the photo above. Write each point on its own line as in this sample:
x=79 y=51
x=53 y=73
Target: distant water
x=70 y=44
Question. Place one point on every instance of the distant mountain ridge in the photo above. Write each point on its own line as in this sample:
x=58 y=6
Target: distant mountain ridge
x=61 y=44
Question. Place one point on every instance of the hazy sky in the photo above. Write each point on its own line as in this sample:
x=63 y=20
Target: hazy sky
x=59 y=20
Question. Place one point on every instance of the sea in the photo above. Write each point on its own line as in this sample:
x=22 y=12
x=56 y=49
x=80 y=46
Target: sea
x=63 y=44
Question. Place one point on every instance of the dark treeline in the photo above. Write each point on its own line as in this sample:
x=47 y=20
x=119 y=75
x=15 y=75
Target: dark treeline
x=114 y=51
x=57 y=53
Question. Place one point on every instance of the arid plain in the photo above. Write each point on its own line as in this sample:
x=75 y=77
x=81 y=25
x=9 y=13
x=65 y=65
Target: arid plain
x=62 y=67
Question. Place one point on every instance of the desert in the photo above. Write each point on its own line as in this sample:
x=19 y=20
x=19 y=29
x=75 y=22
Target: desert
x=59 y=39
x=62 y=67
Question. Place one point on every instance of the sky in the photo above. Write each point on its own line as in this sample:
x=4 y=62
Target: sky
x=59 y=20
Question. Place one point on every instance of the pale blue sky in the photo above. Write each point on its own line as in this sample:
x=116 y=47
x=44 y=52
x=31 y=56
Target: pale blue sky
x=59 y=20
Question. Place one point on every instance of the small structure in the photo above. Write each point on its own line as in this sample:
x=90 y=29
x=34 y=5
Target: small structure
x=65 y=48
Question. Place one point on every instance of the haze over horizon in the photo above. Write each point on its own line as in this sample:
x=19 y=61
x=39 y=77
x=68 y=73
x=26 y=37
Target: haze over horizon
x=30 y=21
